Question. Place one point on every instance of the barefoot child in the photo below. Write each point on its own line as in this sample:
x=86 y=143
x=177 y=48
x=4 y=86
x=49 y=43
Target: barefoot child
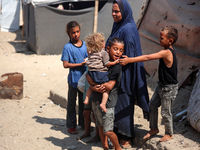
x=167 y=88
x=105 y=121
x=73 y=56
x=98 y=63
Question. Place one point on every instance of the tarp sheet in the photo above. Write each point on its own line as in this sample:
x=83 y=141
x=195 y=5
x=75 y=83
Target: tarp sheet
x=45 y=25
x=193 y=113
x=185 y=16
x=10 y=15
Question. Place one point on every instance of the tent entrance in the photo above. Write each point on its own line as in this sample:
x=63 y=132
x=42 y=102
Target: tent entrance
x=79 y=5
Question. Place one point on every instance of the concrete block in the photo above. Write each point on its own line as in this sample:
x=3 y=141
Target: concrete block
x=58 y=99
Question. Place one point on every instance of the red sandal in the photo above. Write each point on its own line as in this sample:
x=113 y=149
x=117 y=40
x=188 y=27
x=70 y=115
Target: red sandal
x=72 y=131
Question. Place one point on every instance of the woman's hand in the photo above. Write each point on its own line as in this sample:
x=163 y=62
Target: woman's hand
x=99 y=88
x=124 y=61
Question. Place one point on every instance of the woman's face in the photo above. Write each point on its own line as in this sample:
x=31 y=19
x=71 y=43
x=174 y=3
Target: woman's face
x=116 y=14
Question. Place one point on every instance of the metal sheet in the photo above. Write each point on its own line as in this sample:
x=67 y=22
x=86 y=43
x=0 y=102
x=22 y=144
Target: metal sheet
x=182 y=14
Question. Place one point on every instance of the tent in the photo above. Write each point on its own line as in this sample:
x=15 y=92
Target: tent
x=45 y=24
x=9 y=16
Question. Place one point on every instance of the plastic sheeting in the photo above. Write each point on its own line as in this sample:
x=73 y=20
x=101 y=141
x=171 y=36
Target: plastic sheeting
x=45 y=25
x=193 y=113
x=185 y=16
x=10 y=15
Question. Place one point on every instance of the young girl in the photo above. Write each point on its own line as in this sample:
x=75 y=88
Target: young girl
x=98 y=63
x=73 y=56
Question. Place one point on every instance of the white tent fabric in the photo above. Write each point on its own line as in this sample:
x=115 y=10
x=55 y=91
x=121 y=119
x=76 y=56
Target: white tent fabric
x=10 y=15
x=193 y=113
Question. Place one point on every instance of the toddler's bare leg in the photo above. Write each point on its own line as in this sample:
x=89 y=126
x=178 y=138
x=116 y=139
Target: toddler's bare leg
x=104 y=101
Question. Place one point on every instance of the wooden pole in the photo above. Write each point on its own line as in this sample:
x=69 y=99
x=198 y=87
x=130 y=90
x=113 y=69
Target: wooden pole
x=96 y=16
x=22 y=15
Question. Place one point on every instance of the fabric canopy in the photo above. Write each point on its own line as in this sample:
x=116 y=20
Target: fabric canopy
x=9 y=15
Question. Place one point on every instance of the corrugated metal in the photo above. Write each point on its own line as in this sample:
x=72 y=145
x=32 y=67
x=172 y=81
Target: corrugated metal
x=185 y=16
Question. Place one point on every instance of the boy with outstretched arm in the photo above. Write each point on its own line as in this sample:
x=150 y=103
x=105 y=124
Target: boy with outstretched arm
x=167 y=88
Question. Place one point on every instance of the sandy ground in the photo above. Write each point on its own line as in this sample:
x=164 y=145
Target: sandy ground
x=35 y=122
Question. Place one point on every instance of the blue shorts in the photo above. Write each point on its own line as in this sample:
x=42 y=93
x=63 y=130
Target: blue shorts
x=98 y=77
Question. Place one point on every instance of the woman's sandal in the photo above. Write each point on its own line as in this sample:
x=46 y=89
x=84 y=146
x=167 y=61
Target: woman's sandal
x=125 y=146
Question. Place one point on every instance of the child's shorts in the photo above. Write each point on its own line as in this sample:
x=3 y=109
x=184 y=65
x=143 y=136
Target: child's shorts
x=106 y=120
x=98 y=77
x=98 y=114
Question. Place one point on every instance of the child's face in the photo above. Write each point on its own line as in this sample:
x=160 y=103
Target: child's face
x=75 y=33
x=164 y=40
x=115 y=51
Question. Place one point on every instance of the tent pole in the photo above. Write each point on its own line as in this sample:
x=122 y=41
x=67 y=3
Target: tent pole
x=96 y=16
x=23 y=22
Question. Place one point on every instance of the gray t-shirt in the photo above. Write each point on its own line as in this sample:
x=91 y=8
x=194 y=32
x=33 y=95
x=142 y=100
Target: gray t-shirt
x=97 y=61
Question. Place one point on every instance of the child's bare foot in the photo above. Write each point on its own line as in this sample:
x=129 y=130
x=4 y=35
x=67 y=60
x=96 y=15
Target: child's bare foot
x=83 y=136
x=150 y=134
x=166 y=138
x=103 y=107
